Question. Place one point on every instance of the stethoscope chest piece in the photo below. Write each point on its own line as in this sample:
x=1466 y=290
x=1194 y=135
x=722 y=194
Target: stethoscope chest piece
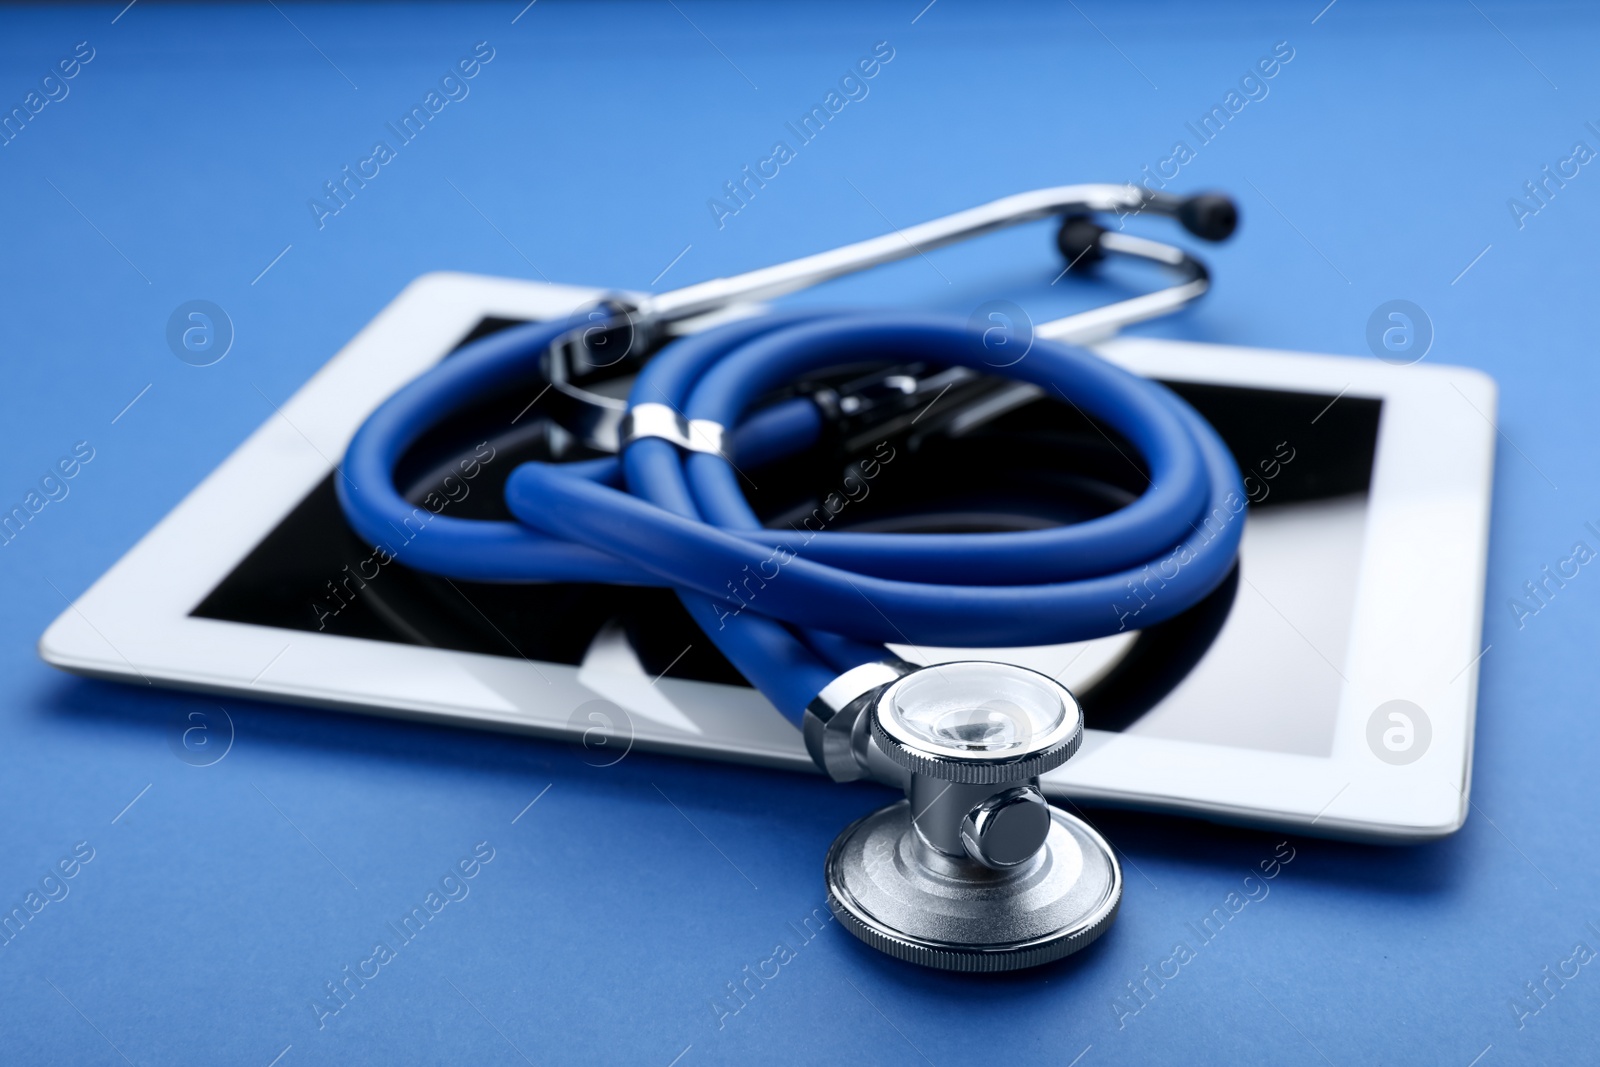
x=974 y=871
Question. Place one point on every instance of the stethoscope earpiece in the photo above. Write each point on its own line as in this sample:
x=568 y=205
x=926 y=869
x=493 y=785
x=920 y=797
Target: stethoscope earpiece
x=1210 y=216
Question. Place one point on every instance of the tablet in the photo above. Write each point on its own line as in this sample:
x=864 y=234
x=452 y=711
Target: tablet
x=1328 y=687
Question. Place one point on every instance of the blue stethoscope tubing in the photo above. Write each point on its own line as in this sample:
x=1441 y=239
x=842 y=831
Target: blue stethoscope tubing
x=824 y=601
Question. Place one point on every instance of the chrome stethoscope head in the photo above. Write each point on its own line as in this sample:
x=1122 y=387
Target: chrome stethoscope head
x=973 y=870
x=620 y=332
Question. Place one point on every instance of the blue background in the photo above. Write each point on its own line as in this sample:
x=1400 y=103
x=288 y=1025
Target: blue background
x=218 y=904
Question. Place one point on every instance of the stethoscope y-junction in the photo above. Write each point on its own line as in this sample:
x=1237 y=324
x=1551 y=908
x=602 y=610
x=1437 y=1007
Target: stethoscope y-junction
x=973 y=870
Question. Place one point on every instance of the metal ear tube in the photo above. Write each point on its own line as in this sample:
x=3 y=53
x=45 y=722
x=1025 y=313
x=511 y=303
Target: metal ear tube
x=620 y=333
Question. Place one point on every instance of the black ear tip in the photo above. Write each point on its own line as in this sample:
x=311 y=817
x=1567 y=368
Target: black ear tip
x=1210 y=216
x=1079 y=241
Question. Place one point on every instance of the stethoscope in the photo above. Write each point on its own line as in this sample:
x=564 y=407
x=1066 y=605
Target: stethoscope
x=973 y=870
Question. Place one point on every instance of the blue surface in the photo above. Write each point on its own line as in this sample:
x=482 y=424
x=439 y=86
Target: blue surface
x=622 y=903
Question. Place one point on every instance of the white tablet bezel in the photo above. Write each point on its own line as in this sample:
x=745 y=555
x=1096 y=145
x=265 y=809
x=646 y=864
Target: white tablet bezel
x=1418 y=613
